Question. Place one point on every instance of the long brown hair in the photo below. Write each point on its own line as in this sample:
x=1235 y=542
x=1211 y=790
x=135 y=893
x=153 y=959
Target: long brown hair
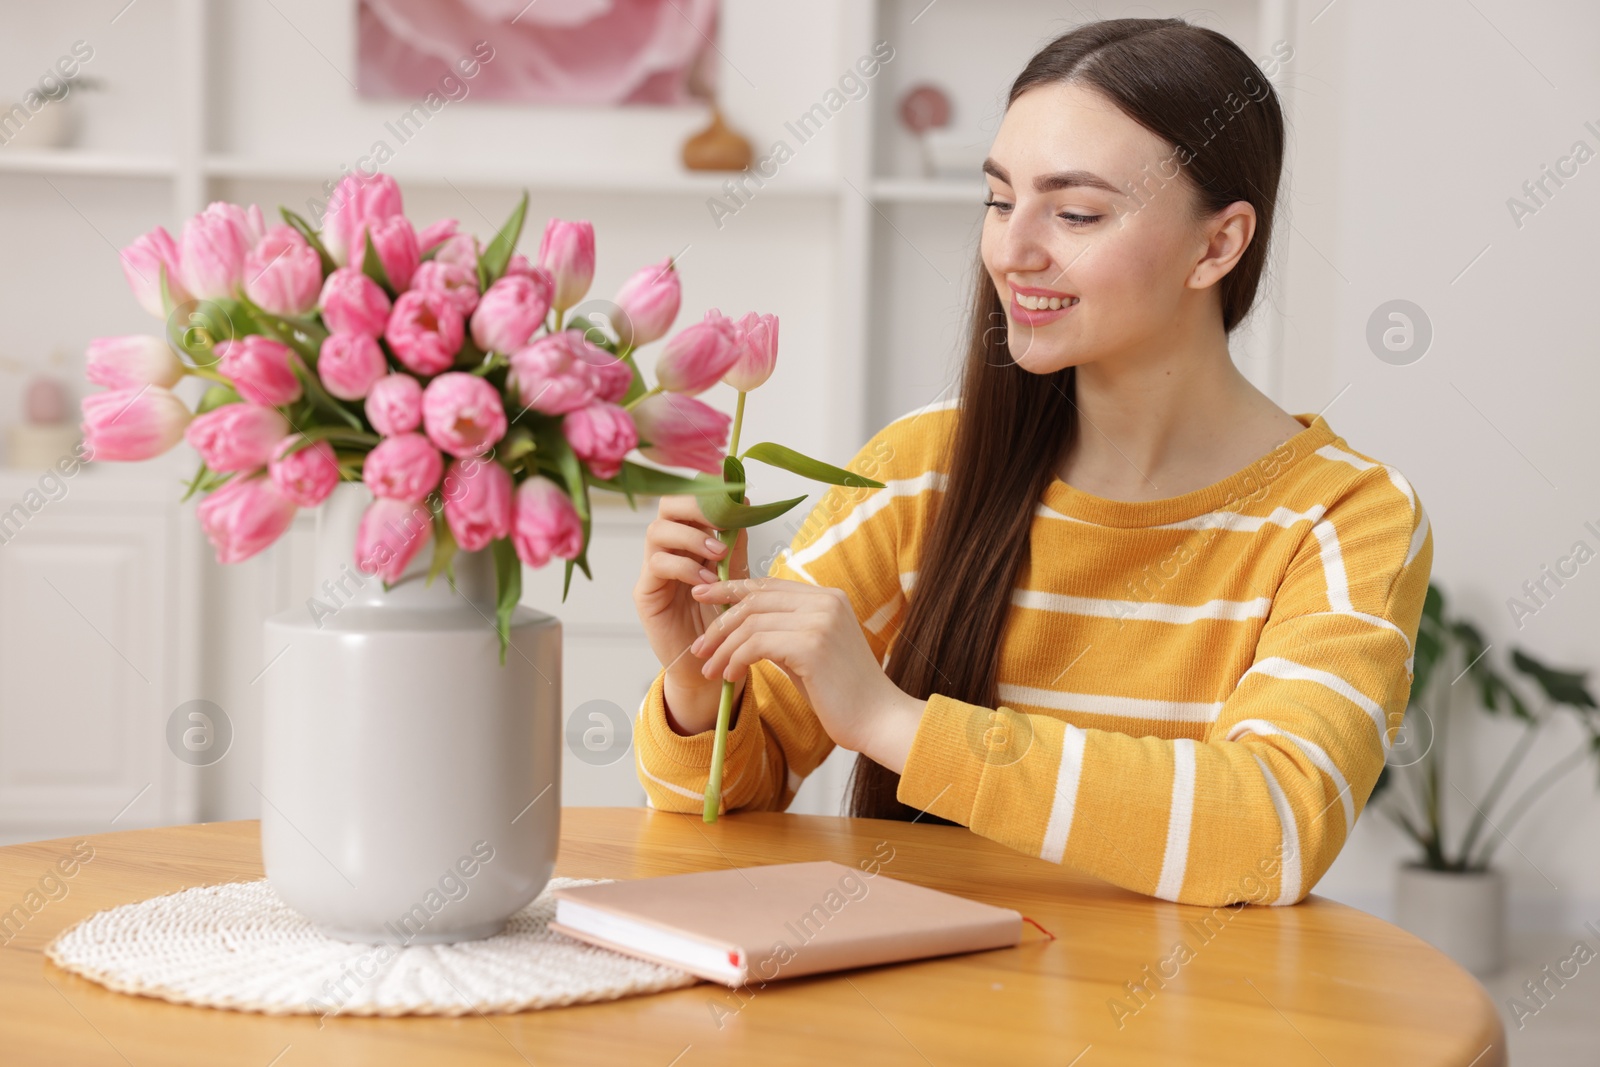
x=1202 y=94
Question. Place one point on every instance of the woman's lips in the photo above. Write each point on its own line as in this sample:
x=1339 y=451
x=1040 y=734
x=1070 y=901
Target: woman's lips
x=1041 y=316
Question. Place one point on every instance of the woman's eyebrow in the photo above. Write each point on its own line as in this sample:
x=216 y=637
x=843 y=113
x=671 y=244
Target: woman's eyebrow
x=1065 y=179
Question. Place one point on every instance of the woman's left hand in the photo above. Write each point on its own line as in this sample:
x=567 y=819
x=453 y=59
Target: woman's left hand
x=812 y=634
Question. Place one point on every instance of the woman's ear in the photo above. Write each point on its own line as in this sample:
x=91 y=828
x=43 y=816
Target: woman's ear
x=1227 y=234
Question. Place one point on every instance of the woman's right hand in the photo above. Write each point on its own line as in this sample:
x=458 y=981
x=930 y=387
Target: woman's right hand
x=680 y=552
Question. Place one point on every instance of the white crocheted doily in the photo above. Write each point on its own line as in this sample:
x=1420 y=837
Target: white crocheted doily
x=238 y=946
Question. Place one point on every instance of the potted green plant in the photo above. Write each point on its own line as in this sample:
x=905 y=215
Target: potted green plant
x=1451 y=896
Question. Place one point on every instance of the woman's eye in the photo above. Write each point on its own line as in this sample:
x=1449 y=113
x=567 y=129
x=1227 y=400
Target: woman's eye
x=1000 y=204
x=1079 y=220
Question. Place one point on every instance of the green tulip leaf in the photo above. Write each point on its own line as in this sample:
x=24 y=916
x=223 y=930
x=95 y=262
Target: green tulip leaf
x=497 y=256
x=725 y=514
x=312 y=238
x=776 y=455
x=444 y=551
x=508 y=583
x=372 y=267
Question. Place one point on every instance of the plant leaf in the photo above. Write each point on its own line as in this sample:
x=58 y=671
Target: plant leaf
x=372 y=267
x=495 y=258
x=312 y=238
x=776 y=455
x=302 y=335
x=648 y=481
x=217 y=396
x=508 y=586
x=1562 y=687
x=320 y=396
x=727 y=515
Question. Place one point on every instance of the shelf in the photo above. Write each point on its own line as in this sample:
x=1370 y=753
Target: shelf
x=93 y=164
x=928 y=191
x=502 y=175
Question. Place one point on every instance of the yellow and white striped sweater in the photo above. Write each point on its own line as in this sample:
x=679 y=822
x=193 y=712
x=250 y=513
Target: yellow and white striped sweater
x=1197 y=692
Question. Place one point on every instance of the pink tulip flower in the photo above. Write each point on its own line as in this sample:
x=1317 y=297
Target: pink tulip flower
x=758 y=352
x=133 y=424
x=460 y=249
x=462 y=414
x=283 y=274
x=544 y=523
x=214 y=245
x=391 y=534
x=682 y=432
x=567 y=252
x=477 y=502
x=697 y=357
x=394 y=404
x=350 y=364
x=425 y=332
x=612 y=376
x=601 y=434
x=354 y=303
x=511 y=310
x=552 y=376
x=456 y=283
x=142 y=264
x=237 y=437
x=123 y=362
x=433 y=236
x=244 y=516
x=259 y=369
x=647 y=303
x=396 y=243
x=403 y=467
x=357 y=201
x=307 y=476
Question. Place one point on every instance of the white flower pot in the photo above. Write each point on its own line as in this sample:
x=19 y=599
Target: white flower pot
x=1461 y=914
x=411 y=784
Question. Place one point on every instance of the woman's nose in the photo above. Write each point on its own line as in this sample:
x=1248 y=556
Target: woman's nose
x=1021 y=248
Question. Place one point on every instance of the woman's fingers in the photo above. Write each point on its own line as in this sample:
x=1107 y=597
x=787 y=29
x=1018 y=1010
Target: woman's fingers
x=669 y=566
x=738 y=647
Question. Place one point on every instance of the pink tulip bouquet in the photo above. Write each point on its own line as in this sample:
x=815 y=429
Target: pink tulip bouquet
x=444 y=374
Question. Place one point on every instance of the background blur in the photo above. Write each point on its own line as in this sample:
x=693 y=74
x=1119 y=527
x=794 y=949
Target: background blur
x=1412 y=127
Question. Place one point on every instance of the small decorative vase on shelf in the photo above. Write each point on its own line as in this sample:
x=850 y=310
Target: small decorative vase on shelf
x=411 y=787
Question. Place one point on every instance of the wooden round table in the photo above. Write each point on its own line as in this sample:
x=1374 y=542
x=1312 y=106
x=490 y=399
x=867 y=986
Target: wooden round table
x=1316 y=983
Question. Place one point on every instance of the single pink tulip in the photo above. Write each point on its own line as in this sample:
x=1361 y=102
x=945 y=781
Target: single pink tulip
x=425 y=332
x=433 y=236
x=403 y=467
x=601 y=434
x=647 y=303
x=682 y=432
x=121 y=362
x=307 y=476
x=259 y=369
x=237 y=437
x=391 y=534
x=511 y=310
x=357 y=201
x=758 y=352
x=142 y=264
x=350 y=364
x=544 y=523
x=520 y=264
x=243 y=516
x=612 y=376
x=477 y=502
x=213 y=248
x=455 y=283
x=462 y=414
x=551 y=375
x=354 y=303
x=396 y=243
x=460 y=249
x=567 y=252
x=697 y=357
x=283 y=274
x=133 y=424
x=394 y=404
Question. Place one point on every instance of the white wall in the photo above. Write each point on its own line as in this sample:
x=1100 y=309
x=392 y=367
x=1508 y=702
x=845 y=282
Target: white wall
x=1417 y=122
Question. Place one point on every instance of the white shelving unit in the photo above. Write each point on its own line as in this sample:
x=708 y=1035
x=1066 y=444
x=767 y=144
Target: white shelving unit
x=884 y=299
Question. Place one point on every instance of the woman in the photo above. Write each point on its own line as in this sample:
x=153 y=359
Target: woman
x=1113 y=607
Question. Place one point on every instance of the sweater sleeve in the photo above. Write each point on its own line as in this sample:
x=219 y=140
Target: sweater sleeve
x=849 y=541
x=1258 y=809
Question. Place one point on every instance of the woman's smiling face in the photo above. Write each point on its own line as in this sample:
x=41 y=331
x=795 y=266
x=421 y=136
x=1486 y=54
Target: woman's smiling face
x=1091 y=223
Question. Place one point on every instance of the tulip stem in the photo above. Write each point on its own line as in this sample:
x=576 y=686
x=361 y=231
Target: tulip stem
x=738 y=420
x=719 y=744
x=646 y=395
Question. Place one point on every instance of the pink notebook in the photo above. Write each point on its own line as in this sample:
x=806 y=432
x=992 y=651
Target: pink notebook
x=782 y=920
